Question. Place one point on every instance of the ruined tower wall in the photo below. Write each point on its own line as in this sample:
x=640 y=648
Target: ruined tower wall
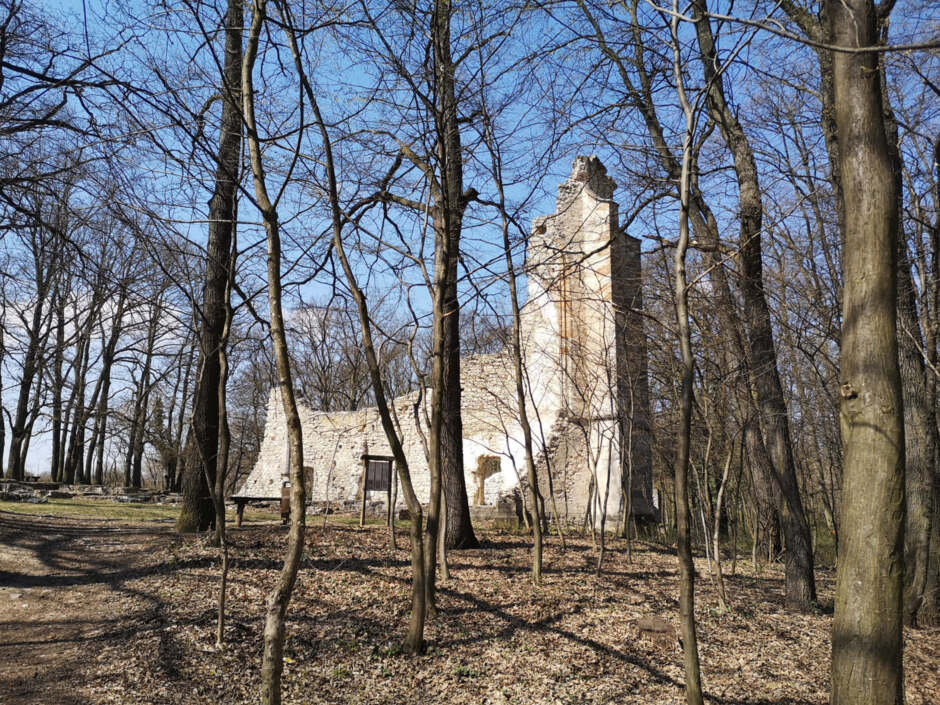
x=633 y=380
x=585 y=364
x=586 y=281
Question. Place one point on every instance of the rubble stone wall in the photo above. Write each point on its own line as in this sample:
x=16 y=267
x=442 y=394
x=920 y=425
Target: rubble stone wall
x=586 y=380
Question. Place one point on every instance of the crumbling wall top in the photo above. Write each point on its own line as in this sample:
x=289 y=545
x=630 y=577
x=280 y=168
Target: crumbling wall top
x=590 y=174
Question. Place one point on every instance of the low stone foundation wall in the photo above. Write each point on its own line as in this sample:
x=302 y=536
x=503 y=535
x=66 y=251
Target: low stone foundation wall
x=39 y=492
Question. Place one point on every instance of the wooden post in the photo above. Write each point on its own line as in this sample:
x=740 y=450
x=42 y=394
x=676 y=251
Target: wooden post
x=393 y=480
x=239 y=512
x=285 y=503
x=365 y=477
x=390 y=512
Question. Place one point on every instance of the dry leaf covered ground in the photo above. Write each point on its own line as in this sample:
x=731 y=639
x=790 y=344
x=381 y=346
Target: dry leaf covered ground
x=108 y=612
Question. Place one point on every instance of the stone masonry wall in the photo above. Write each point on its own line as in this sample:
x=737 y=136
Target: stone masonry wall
x=335 y=442
x=585 y=360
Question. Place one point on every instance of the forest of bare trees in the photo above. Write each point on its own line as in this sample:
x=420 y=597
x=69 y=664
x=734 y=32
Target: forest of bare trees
x=205 y=200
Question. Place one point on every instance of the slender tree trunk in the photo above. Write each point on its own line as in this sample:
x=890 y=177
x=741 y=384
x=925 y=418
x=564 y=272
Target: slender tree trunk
x=102 y=430
x=716 y=530
x=693 y=677
x=518 y=372
x=107 y=361
x=55 y=469
x=272 y=664
x=169 y=453
x=72 y=416
x=920 y=420
x=73 y=458
x=181 y=421
x=414 y=641
x=225 y=439
x=436 y=431
x=16 y=463
x=132 y=441
x=866 y=633
x=144 y=396
x=800 y=582
x=197 y=510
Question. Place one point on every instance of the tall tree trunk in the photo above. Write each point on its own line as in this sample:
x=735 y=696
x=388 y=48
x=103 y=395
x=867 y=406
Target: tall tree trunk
x=181 y=422
x=133 y=431
x=920 y=421
x=693 y=676
x=919 y=403
x=272 y=663
x=71 y=412
x=143 y=409
x=414 y=641
x=197 y=511
x=867 y=628
x=451 y=206
x=225 y=442
x=16 y=463
x=55 y=469
x=90 y=448
x=168 y=453
x=107 y=361
x=517 y=363
x=73 y=458
x=800 y=581
x=436 y=432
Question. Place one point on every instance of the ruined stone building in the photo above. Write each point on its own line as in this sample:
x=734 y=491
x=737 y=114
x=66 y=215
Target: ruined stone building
x=585 y=359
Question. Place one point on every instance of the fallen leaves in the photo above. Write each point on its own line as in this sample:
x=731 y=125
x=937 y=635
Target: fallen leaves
x=497 y=639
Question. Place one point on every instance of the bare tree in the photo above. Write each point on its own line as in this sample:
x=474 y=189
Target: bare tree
x=414 y=641
x=693 y=677
x=273 y=662
x=866 y=633
x=35 y=318
x=438 y=156
x=516 y=350
x=197 y=510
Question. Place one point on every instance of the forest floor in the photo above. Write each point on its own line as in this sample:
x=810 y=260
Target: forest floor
x=108 y=611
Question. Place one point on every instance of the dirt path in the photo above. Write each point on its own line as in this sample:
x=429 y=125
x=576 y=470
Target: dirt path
x=68 y=589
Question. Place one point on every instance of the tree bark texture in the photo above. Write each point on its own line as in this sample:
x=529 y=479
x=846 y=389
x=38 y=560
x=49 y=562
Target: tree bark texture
x=693 y=675
x=450 y=210
x=866 y=635
x=920 y=417
x=197 y=511
x=693 y=678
